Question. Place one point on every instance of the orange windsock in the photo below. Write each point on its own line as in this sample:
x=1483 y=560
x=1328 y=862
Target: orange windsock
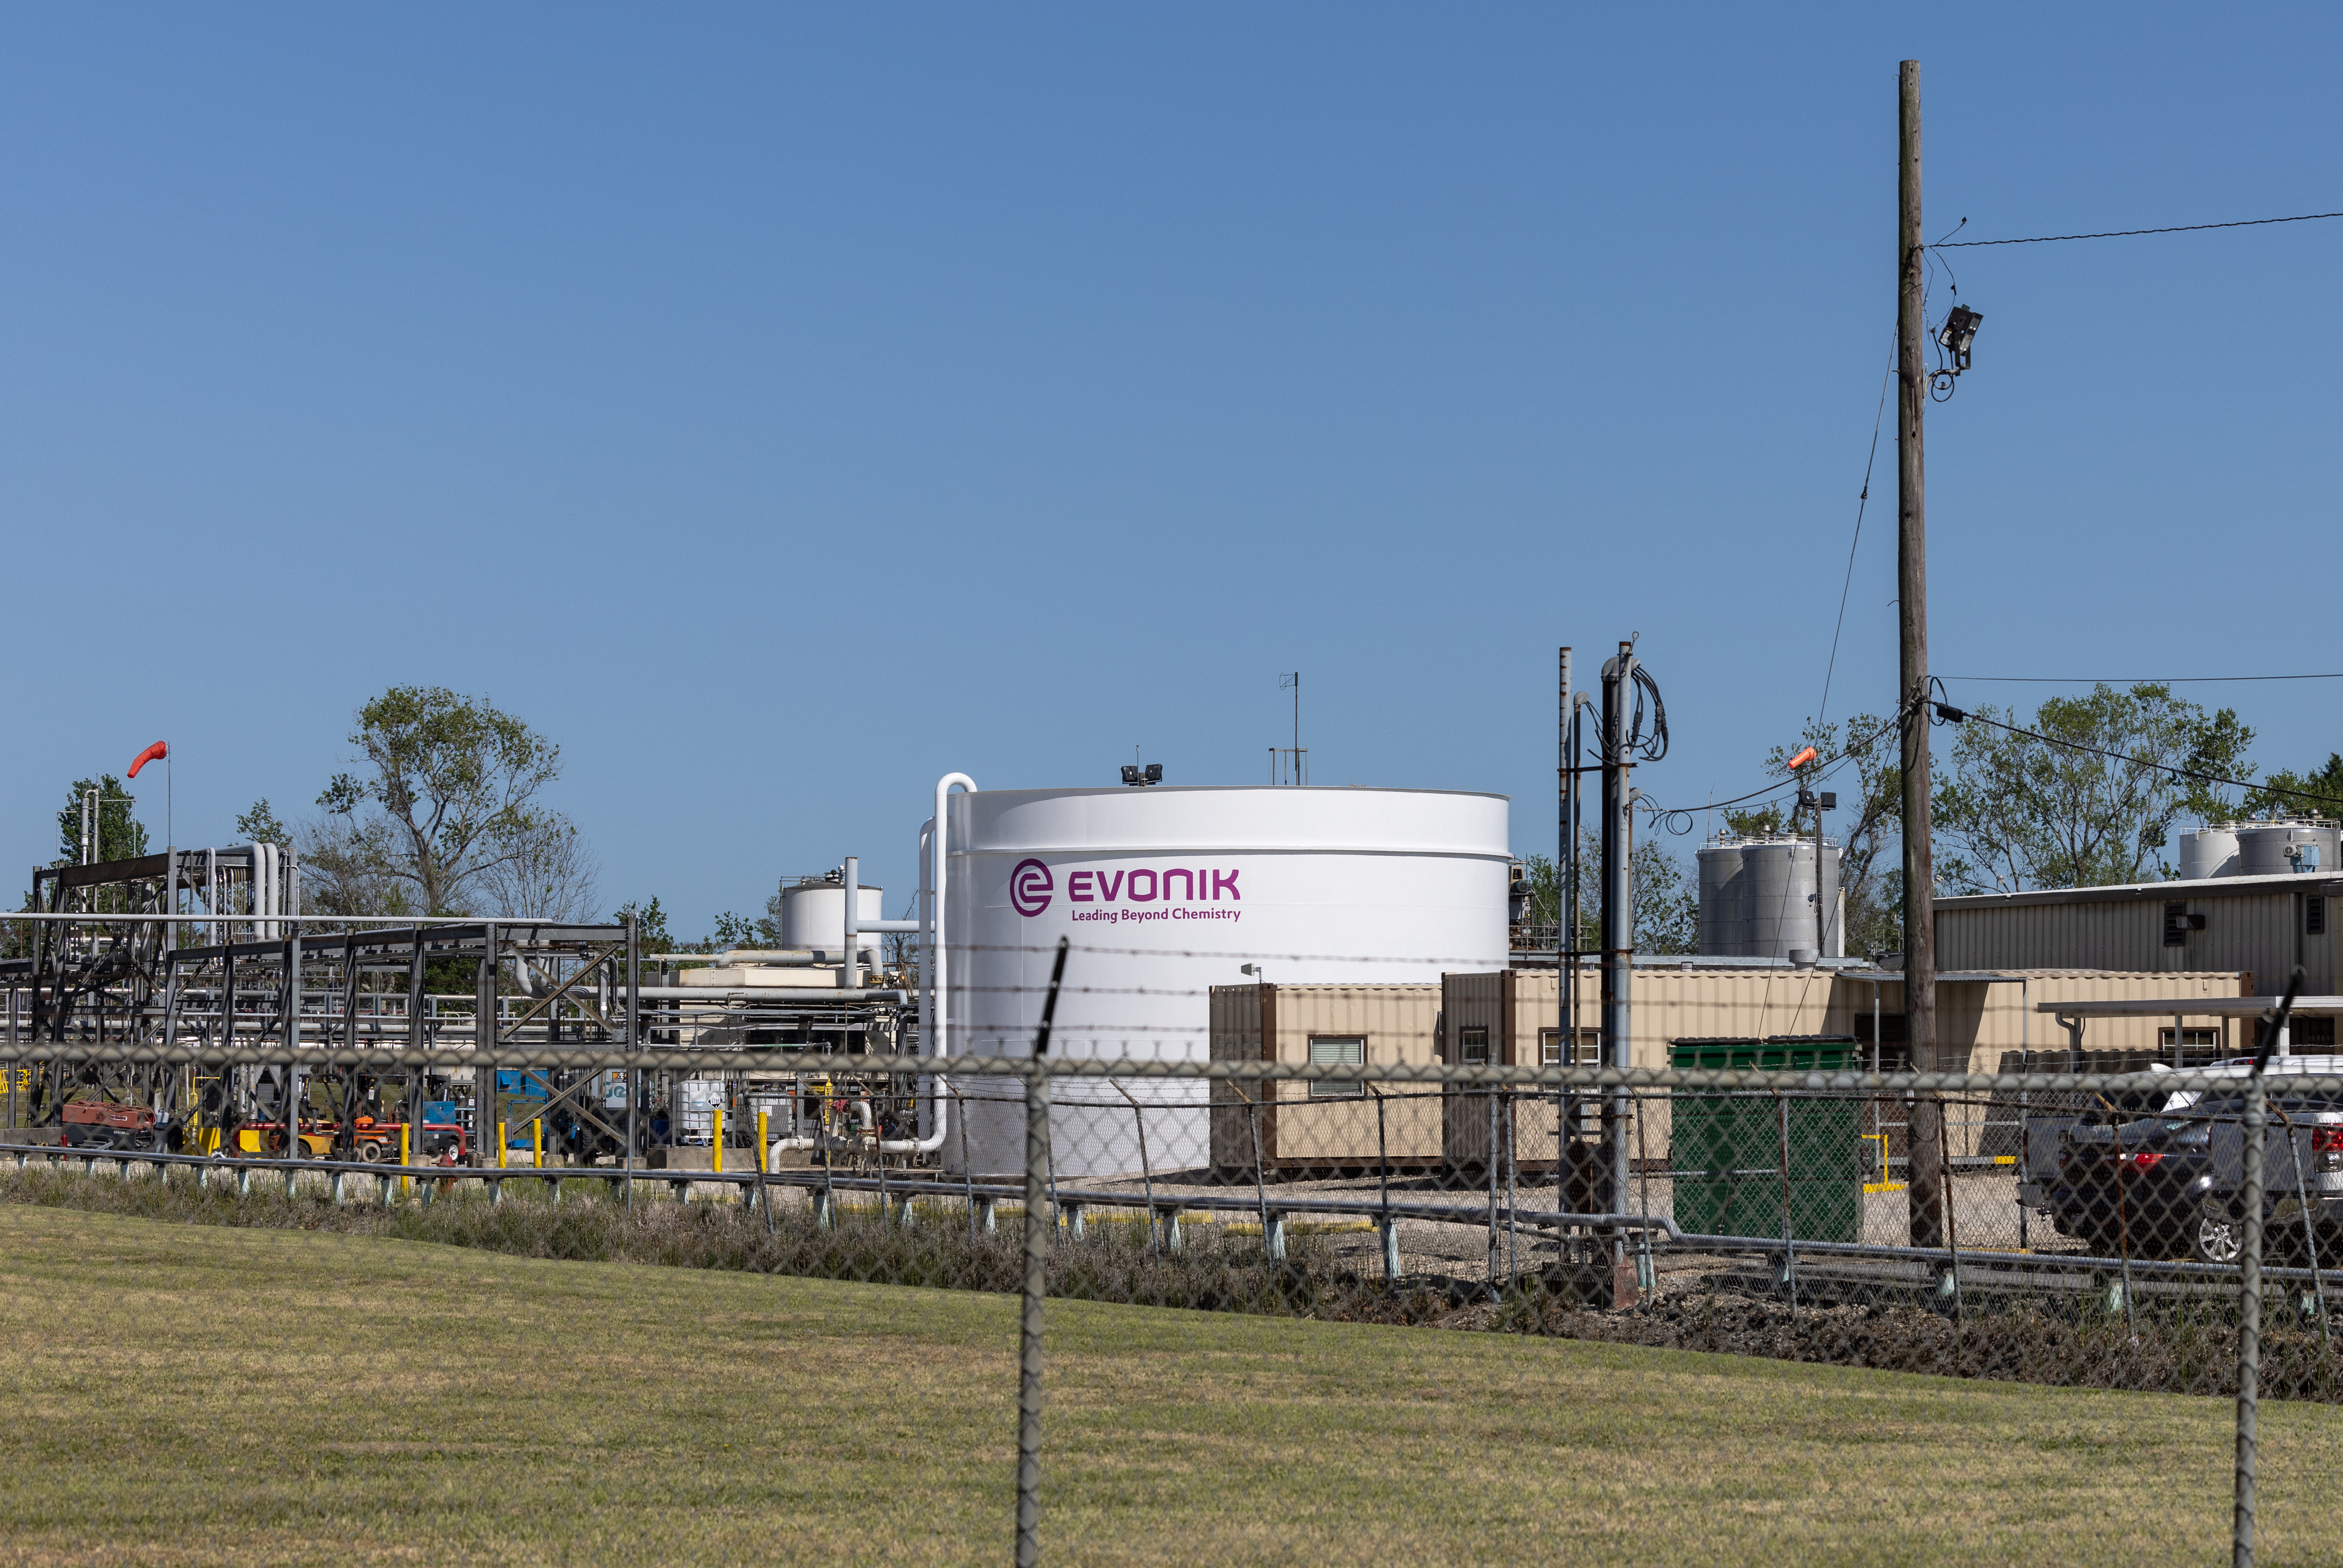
x=1802 y=759
x=160 y=748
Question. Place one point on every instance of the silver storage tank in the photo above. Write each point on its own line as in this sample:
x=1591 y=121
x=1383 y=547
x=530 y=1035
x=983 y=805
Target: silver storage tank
x=2209 y=851
x=1777 y=905
x=2277 y=849
x=1724 y=911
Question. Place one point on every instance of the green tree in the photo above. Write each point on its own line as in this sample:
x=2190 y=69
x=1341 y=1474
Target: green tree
x=1864 y=766
x=1667 y=910
x=446 y=797
x=733 y=931
x=120 y=835
x=260 y=825
x=2289 y=794
x=651 y=934
x=2091 y=802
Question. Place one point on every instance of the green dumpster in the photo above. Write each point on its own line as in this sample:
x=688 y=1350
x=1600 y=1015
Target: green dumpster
x=1727 y=1149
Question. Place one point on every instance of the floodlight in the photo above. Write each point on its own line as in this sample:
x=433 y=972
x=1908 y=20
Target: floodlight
x=1958 y=335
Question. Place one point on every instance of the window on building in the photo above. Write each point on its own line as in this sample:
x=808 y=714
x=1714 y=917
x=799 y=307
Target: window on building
x=1589 y=1053
x=2314 y=916
x=2311 y=1031
x=1472 y=1046
x=2198 y=1040
x=1337 y=1051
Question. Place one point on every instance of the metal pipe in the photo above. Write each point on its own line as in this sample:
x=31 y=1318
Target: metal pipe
x=851 y=971
x=939 y=945
x=633 y=1043
x=813 y=995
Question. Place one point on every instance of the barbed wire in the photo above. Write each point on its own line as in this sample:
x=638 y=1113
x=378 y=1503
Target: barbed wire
x=1046 y=948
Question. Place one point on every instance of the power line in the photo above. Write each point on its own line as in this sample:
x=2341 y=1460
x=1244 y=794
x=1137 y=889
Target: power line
x=2143 y=762
x=2138 y=680
x=1664 y=816
x=2129 y=233
x=1861 y=501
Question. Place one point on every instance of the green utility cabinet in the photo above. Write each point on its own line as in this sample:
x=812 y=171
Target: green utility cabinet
x=1727 y=1148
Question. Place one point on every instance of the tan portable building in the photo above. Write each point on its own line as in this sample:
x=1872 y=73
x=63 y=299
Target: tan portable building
x=1985 y=1023
x=1321 y=1128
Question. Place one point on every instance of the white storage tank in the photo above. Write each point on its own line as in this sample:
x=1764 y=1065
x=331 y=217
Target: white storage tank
x=2281 y=849
x=1167 y=891
x=2209 y=851
x=814 y=916
x=2286 y=847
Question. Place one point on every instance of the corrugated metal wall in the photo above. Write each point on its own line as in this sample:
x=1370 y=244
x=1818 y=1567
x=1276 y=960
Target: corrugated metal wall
x=2261 y=933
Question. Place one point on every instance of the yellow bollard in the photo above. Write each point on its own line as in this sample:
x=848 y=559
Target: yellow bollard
x=762 y=1146
x=501 y=1139
x=404 y=1129
x=718 y=1138
x=537 y=1142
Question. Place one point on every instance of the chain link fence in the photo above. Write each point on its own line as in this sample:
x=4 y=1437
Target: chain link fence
x=2171 y=1232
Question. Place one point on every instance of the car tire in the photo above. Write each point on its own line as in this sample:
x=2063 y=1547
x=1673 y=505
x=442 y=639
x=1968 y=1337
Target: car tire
x=2217 y=1238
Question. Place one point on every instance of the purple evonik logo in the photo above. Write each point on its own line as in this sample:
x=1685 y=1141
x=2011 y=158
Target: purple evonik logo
x=1030 y=886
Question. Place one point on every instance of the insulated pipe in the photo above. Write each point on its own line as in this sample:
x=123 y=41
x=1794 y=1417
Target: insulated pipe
x=940 y=845
x=812 y=996
x=266 y=859
x=923 y=916
x=852 y=976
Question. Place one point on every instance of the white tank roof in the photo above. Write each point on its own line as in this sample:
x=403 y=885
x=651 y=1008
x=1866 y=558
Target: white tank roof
x=1170 y=819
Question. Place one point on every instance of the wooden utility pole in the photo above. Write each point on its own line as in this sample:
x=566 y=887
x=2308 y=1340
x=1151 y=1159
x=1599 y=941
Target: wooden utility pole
x=1925 y=1172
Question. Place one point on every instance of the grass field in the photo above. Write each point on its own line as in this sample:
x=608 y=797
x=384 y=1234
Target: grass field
x=179 y=1393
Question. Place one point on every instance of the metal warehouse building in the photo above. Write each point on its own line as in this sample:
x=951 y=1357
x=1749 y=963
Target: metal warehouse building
x=2259 y=927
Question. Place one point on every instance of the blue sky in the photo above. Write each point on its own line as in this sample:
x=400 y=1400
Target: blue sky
x=781 y=406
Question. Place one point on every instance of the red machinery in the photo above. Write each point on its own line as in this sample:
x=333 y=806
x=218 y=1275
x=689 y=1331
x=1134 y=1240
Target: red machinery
x=102 y=1124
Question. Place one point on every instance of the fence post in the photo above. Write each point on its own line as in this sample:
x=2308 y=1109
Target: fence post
x=1146 y=1171
x=2250 y=1279
x=1789 y=1237
x=1037 y=1266
x=2249 y=1325
x=1385 y=1223
x=1260 y=1182
x=2309 y=1228
x=1491 y=1153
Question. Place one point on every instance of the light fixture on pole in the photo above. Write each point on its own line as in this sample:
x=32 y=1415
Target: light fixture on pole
x=1955 y=340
